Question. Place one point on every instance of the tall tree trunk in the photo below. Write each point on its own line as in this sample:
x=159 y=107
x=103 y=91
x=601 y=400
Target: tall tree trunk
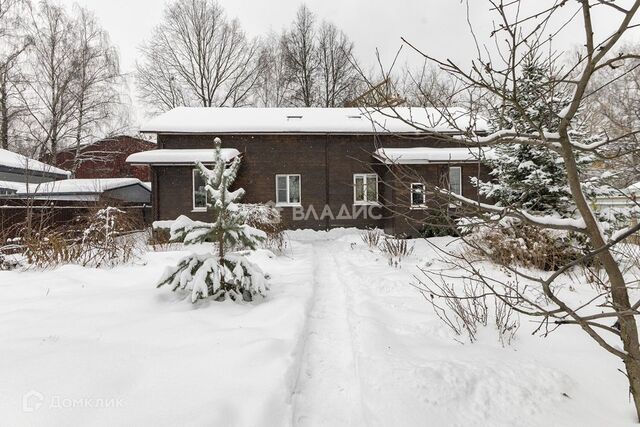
x=619 y=291
x=4 y=114
x=76 y=155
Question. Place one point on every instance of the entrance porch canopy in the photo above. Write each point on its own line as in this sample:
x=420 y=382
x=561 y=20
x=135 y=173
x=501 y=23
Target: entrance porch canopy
x=172 y=157
x=427 y=155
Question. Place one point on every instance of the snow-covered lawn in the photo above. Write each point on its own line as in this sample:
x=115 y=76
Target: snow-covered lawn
x=341 y=340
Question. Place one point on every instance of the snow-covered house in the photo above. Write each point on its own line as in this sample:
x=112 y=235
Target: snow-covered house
x=324 y=167
x=15 y=167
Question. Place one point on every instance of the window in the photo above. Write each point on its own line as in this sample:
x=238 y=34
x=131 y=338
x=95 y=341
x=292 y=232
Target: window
x=288 y=190
x=365 y=188
x=199 y=192
x=417 y=195
x=455 y=179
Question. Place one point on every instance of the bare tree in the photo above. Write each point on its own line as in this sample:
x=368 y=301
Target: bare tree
x=300 y=54
x=197 y=57
x=614 y=108
x=96 y=86
x=429 y=86
x=274 y=85
x=338 y=78
x=53 y=69
x=13 y=44
x=610 y=317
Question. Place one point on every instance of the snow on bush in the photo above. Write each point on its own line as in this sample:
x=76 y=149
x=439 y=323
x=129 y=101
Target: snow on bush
x=371 y=237
x=102 y=238
x=508 y=242
x=267 y=218
x=218 y=275
x=396 y=250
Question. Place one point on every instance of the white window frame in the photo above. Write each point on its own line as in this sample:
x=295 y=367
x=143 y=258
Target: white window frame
x=366 y=177
x=287 y=203
x=424 y=196
x=193 y=194
x=459 y=174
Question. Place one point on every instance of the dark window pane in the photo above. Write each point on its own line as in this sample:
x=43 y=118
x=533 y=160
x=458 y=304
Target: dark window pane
x=294 y=189
x=199 y=192
x=359 y=188
x=281 y=189
x=372 y=188
x=417 y=194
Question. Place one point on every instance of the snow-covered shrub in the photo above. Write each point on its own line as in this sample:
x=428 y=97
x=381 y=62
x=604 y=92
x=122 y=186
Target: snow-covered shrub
x=464 y=313
x=466 y=308
x=51 y=247
x=371 y=237
x=218 y=274
x=101 y=238
x=507 y=320
x=396 y=250
x=107 y=238
x=266 y=218
x=510 y=242
x=10 y=253
x=7 y=262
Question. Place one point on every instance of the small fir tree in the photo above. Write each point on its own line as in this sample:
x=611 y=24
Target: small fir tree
x=224 y=274
x=530 y=177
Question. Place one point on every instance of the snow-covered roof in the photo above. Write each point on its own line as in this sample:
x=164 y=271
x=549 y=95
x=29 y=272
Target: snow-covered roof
x=423 y=155
x=18 y=161
x=310 y=120
x=85 y=186
x=634 y=188
x=178 y=157
x=11 y=185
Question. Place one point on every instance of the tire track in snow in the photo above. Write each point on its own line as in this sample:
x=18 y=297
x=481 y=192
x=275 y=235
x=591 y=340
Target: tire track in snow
x=328 y=391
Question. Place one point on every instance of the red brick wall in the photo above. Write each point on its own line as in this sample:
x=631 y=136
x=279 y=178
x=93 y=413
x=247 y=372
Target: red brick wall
x=107 y=159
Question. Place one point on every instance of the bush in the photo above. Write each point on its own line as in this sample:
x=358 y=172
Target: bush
x=438 y=223
x=524 y=245
x=396 y=250
x=371 y=237
x=102 y=238
x=267 y=219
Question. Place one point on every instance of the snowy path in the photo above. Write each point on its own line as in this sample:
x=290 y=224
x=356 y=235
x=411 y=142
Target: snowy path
x=375 y=355
x=328 y=390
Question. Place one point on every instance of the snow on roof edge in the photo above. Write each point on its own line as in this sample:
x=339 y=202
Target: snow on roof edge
x=180 y=156
x=80 y=186
x=15 y=160
x=206 y=120
x=425 y=155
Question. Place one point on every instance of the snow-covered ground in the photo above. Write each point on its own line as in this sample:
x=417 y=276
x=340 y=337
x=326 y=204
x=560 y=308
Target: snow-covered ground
x=342 y=339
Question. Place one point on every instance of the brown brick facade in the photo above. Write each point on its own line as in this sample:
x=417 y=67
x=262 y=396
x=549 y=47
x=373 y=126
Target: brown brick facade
x=326 y=164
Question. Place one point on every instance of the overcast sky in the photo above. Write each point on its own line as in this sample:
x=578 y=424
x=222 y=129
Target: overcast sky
x=438 y=26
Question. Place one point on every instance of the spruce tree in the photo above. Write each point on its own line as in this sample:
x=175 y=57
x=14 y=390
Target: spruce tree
x=222 y=274
x=530 y=177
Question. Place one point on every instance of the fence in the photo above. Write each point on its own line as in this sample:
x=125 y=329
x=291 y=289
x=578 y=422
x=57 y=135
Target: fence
x=61 y=214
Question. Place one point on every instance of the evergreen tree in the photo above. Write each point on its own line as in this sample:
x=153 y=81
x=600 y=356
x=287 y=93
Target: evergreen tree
x=218 y=275
x=530 y=177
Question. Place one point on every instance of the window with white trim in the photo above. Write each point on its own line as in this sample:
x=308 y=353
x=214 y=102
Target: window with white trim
x=199 y=192
x=418 y=199
x=288 y=190
x=455 y=179
x=365 y=188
